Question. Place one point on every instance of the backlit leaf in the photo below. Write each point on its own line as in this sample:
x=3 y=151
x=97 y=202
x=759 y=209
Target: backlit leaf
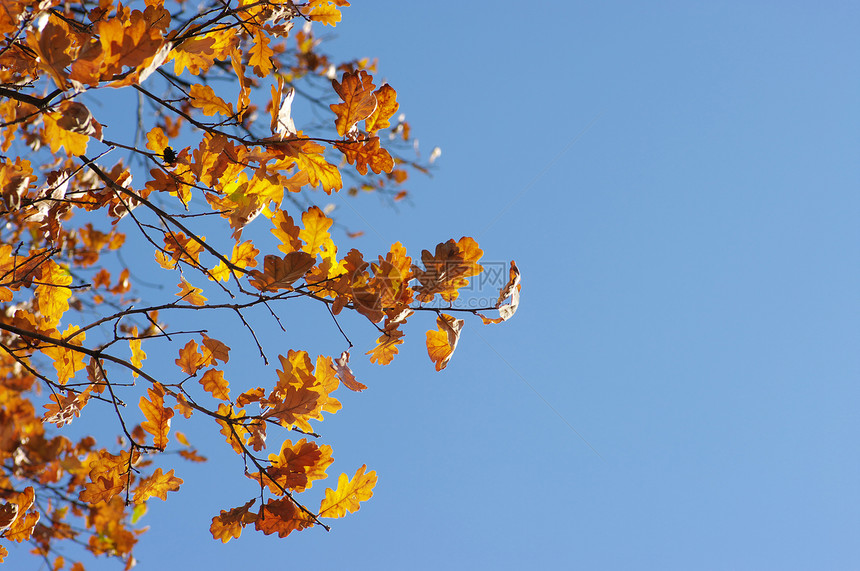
x=348 y=495
x=157 y=416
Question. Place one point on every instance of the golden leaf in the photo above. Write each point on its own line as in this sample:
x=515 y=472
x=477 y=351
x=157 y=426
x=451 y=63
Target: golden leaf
x=386 y=107
x=190 y=360
x=260 y=54
x=156 y=485
x=349 y=494
x=157 y=416
x=214 y=383
x=359 y=101
x=229 y=524
x=191 y=294
x=441 y=343
x=203 y=97
x=315 y=233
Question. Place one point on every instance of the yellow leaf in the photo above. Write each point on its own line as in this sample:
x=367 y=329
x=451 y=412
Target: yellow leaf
x=191 y=294
x=315 y=233
x=348 y=495
x=157 y=485
x=386 y=107
x=260 y=54
x=327 y=14
x=441 y=343
x=137 y=354
x=203 y=97
x=386 y=347
x=52 y=294
x=156 y=141
x=196 y=54
x=319 y=171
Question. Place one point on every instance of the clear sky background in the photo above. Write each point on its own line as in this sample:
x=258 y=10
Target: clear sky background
x=679 y=187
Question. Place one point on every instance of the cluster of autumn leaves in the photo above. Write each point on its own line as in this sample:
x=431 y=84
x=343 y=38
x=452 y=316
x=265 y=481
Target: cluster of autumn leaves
x=206 y=157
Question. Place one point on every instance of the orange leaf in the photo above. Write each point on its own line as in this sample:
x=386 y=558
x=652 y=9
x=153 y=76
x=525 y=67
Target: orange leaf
x=216 y=350
x=156 y=485
x=190 y=360
x=386 y=347
x=191 y=294
x=203 y=97
x=446 y=271
x=253 y=395
x=287 y=232
x=196 y=54
x=64 y=409
x=157 y=416
x=344 y=373
x=386 y=107
x=359 y=101
x=260 y=54
x=230 y=523
x=367 y=154
x=348 y=495
x=441 y=343
x=282 y=517
x=280 y=273
x=234 y=430
x=213 y=382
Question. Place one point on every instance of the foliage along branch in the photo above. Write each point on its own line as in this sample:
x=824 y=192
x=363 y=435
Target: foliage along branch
x=64 y=214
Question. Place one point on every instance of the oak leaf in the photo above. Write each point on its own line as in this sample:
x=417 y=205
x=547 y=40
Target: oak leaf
x=137 y=354
x=282 y=517
x=157 y=416
x=191 y=294
x=386 y=347
x=260 y=54
x=190 y=360
x=442 y=342
x=214 y=383
x=215 y=350
x=344 y=373
x=53 y=293
x=280 y=273
x=386 y=107
x=229 y=523
x=359 y=101
x=365 y=154
x=349 y=494
x=156 y=485
x=315 y=233
x=203 y=97
x=325 y=12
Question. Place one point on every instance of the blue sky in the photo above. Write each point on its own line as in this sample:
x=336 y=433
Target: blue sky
x=678 y=185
